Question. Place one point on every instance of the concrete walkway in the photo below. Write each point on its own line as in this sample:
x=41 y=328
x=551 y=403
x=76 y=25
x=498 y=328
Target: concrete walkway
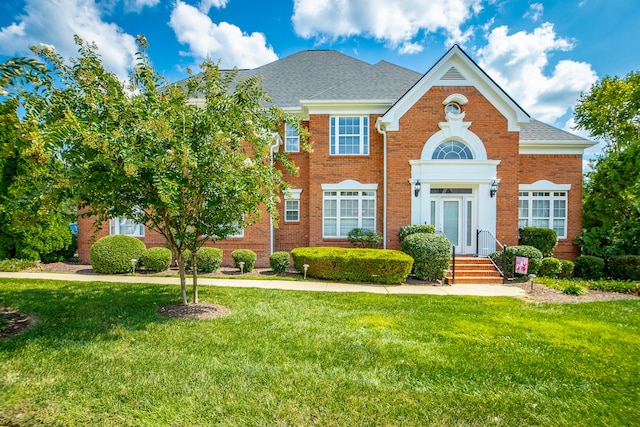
x=307 y=285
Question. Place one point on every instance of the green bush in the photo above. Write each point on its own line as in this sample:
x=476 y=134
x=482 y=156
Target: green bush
x=550 y=267
x=589 y=267
x=573 y=288
x=431 y=254
x=113 y=254
x=624 y=267
x=543 y=239
x=279 y=262
x=534 y=255
x=208 y=259
x=244 y=255
x=156 y=259
x=566 y=268
x=13 y=265
x=407 y=230
x=364 y=238
x=353 y=264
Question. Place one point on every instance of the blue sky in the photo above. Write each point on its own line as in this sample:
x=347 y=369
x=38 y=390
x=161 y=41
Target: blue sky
x=543 y=53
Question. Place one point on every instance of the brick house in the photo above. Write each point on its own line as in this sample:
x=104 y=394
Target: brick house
x=393 y=147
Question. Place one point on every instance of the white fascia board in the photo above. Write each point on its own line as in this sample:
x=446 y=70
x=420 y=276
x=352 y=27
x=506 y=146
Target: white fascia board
x=474 y=76
x=554 y=147
x=344 y=107
x=455 y=171
x=349 y=184
x=544 y=185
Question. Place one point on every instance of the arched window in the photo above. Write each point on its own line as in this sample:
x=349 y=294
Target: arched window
x=452 y=150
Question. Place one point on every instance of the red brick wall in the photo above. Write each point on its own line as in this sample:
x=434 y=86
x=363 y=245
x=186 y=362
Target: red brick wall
x=420 y=123
x=559 y=169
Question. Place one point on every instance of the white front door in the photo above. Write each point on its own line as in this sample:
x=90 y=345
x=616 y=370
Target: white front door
x=454 y=217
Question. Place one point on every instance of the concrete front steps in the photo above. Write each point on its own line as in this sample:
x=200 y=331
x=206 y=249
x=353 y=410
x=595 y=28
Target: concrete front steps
x=474 y=270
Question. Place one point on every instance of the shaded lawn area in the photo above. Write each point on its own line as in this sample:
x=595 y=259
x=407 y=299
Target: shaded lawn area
x=101 y=355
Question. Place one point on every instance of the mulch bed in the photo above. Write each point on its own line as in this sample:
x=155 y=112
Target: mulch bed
x=202 y=310
x=18 y=322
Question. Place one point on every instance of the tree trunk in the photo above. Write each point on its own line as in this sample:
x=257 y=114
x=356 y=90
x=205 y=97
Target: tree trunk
x=183 y=280
x=194 y=266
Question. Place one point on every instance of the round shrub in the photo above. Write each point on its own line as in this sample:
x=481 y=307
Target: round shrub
x=113 y=254
x=279 y=262
x=244 y=255
x=364 y=238
x=589 y=267
x=624 y=267
x=208 y=259
x=566 y=268
x=407 y=230
x=430 y=253
x=534 y=255
x=156 y=259
x=550 y=267
x=543 y=239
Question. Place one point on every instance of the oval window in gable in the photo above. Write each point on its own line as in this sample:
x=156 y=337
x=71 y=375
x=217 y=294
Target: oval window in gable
x=452 y=150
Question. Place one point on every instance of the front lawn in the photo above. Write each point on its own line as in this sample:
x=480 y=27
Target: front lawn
x=100 y=355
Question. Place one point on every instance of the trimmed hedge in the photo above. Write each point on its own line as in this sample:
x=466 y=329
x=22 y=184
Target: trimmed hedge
x=113 y=254
x=624 y=267
x=13 y=265
x=279 y=262
x=208 y=259
x=407 y=230
x=244 y=255
x=534 y=255
x=431 y=254
x=354 y=264
x=589 y=267
x=543 y=239
x=550 y=267
x=156 y=259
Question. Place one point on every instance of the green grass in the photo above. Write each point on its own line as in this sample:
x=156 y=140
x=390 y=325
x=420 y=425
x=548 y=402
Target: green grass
x=13 y=265
x=100 y=355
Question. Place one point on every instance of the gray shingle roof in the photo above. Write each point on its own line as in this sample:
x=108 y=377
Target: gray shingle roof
x=331 y=75
x=538 y=131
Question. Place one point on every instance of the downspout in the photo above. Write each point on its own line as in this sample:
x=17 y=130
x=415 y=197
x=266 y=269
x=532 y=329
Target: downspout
x=273 y=147
x=384 y=184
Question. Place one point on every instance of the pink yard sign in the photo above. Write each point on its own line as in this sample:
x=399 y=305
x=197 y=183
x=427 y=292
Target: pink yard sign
x=522 y=265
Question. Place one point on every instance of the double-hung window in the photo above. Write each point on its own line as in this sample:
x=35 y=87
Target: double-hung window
x=349 y=135
x=126 y=226
x=292 y=205
x=345 y=210
x=291 y=139
x=547 y=209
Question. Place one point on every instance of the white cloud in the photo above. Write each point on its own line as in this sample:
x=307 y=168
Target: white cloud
x=535 y=11
x=206 y=5
x=55 y=23
x=519 y=63
x=224 y=41
x=396 y=22
x=138 y=5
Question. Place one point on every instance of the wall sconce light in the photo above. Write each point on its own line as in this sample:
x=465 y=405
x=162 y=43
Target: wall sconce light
x=416 y=188
x=494 y=189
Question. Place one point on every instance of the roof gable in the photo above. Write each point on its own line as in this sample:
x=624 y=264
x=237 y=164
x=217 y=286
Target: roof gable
x=456 y=68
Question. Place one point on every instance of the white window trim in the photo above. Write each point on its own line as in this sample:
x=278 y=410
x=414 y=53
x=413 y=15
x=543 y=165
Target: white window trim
x=115 y=227
x=292 y=195
x=364 y=131
x=291 y=137
x=551 y=198
x=350 y=186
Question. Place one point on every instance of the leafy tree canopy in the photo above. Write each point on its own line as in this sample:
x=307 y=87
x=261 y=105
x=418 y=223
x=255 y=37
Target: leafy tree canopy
x=610 y=110
x=195 y=160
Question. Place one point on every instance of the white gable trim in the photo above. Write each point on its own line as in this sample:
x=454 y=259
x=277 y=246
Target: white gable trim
x=455 y=129
x=473 y=76
x=361 y=107
x=554 y=147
